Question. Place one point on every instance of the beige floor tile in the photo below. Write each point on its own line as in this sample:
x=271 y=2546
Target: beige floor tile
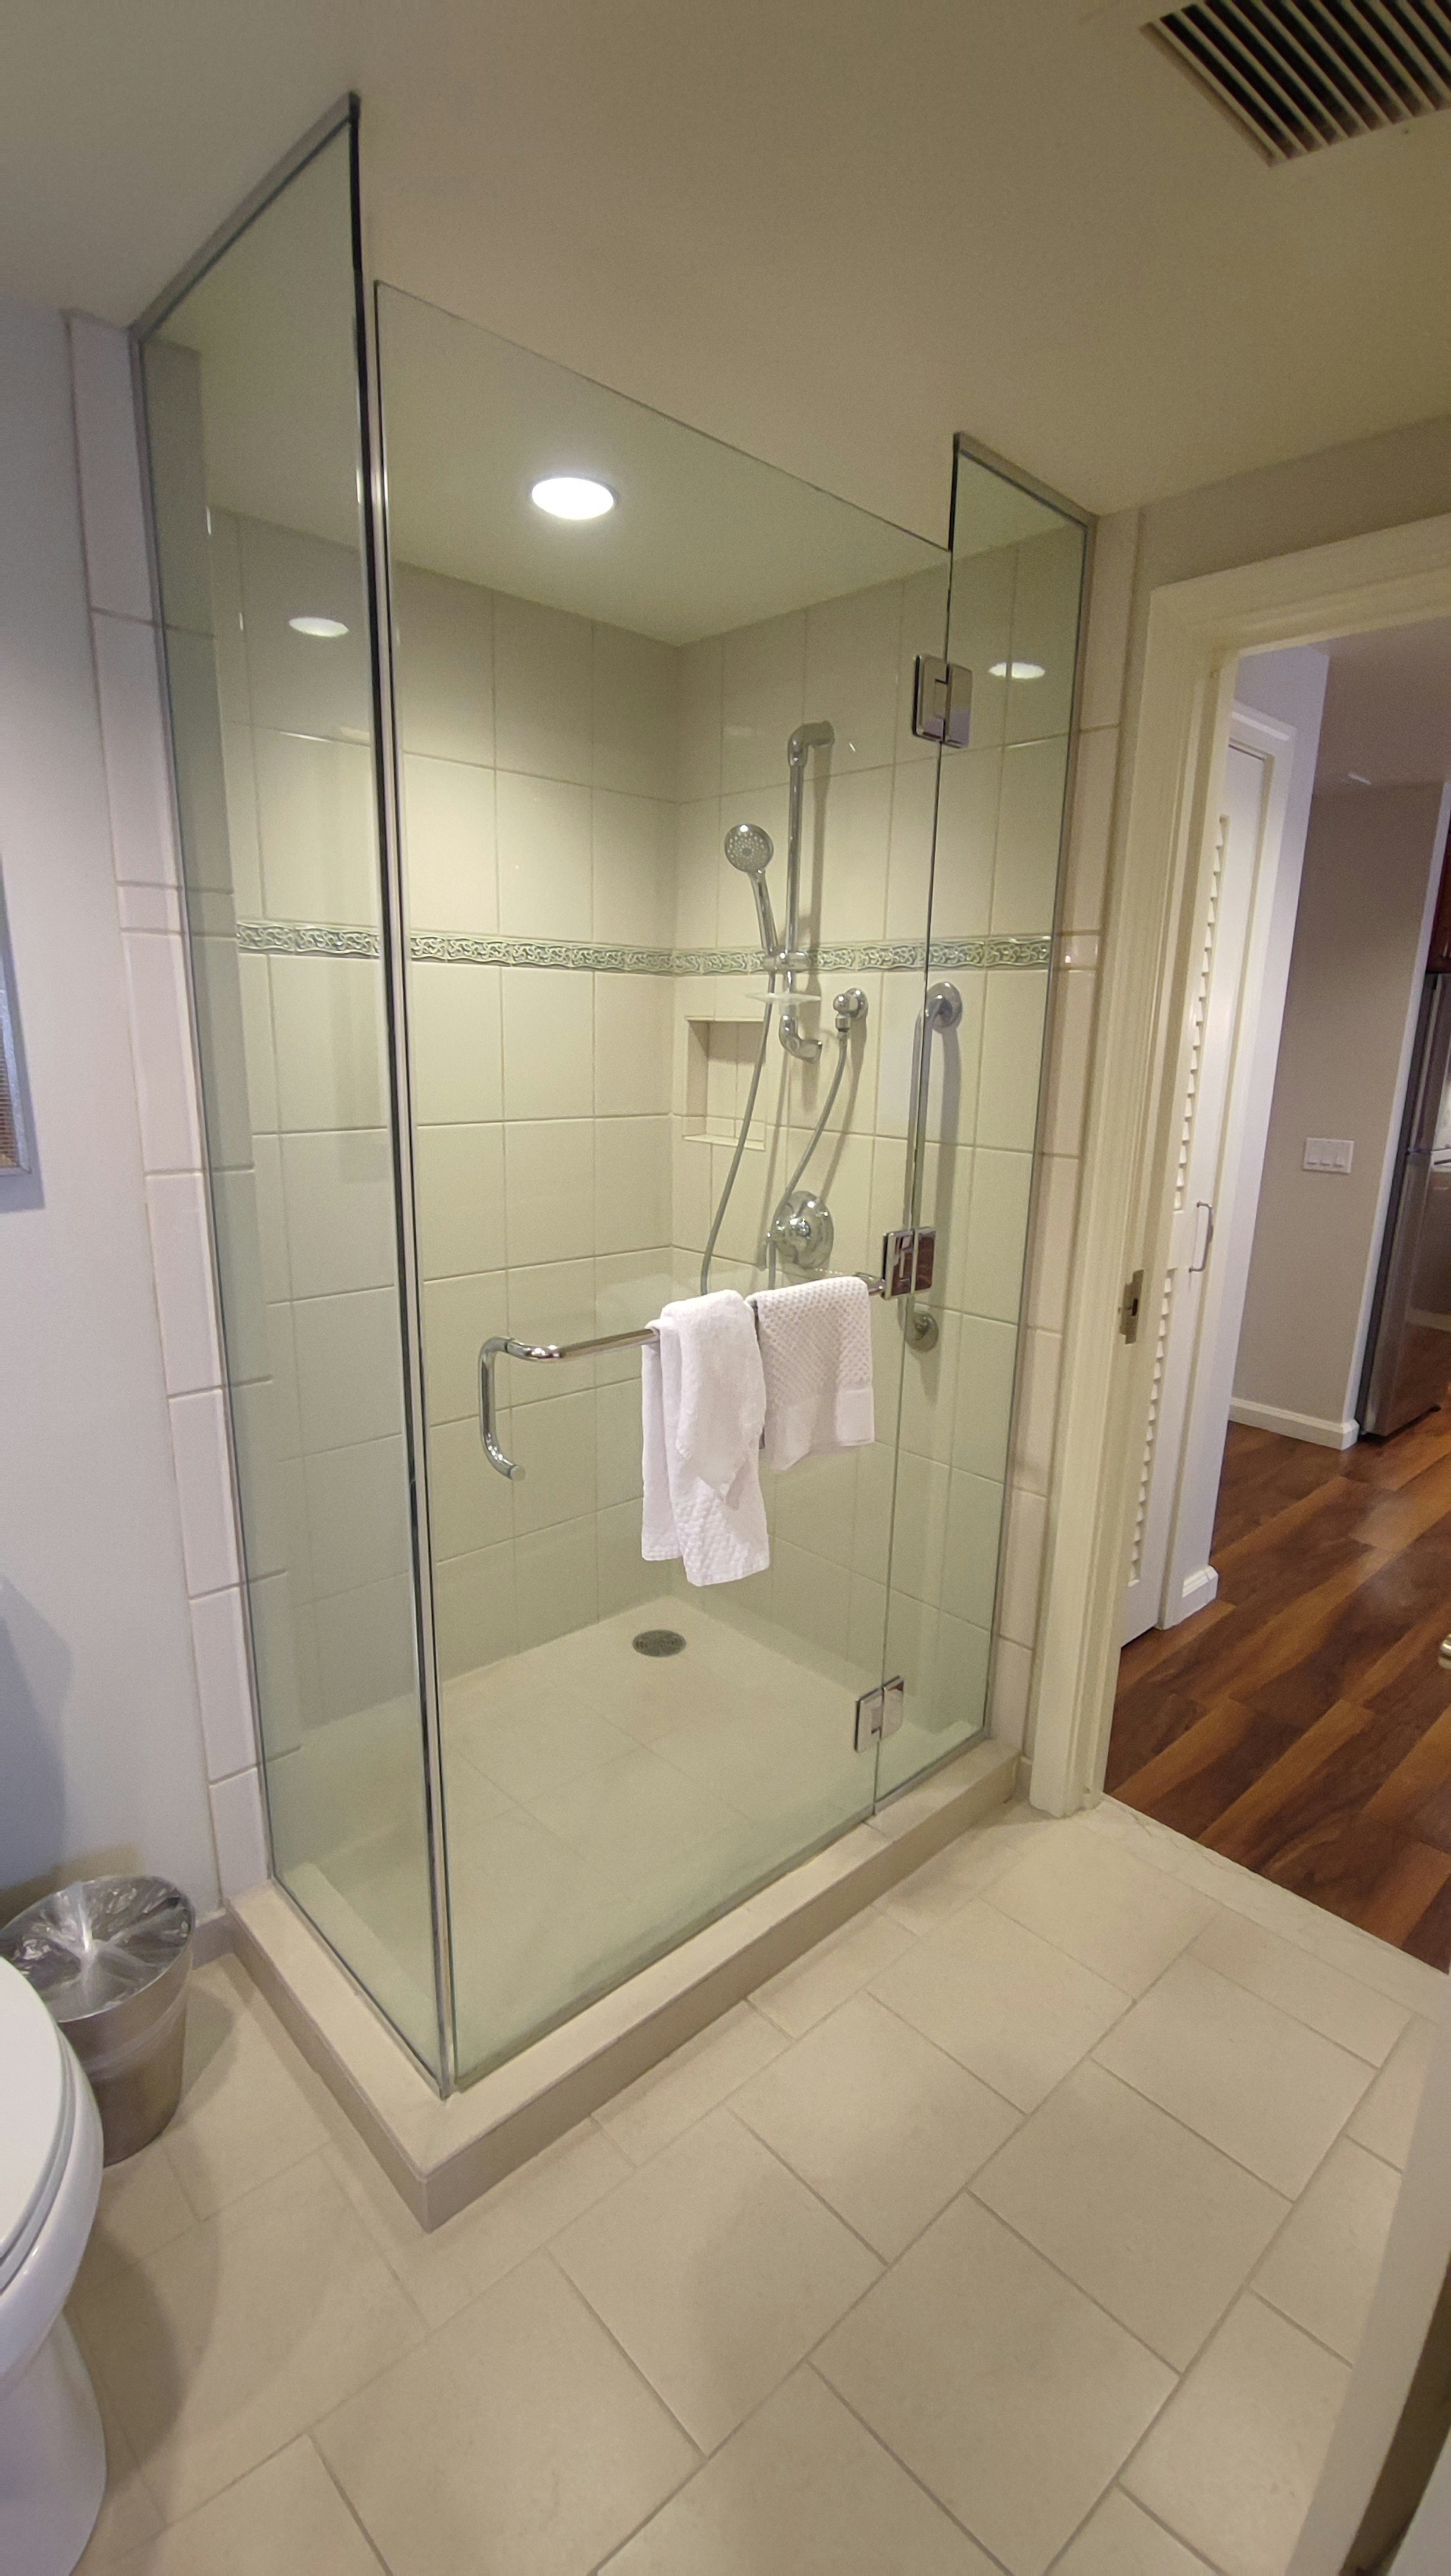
x=1120 y=2539
x=841 y=1965
x=717 y=2270
x=690 y=2082
x=1269 y=2092
x=143 y=2207
x=1387 y=2116
x=944 y=1884
x=441 y=2272
x=1322 y=2269
x=231 y=2341
x=283 y=2519
x=247 y=2110
x=1009 y=2006
x=1155 y=2224
x=1103 y=1907
x=127 y=2516
x=627 y=1816
x=996 y=2382
x=879 y=2122
x=801 y=2490
x=531 y=1746
x=1233 y=2460
x=518 y=2438
x=1354 y=2016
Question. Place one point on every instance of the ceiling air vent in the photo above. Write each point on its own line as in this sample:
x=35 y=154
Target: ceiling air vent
x=1296 y=75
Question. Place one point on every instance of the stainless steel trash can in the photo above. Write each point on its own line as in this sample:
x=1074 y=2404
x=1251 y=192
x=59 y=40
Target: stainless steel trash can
x=111 y=1957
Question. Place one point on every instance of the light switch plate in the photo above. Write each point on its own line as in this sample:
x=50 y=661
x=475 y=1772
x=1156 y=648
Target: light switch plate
x=1329 y=1153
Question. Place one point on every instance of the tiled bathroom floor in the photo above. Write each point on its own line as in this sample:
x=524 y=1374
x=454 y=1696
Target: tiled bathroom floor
x=594 y=1795
x=1029 y=2222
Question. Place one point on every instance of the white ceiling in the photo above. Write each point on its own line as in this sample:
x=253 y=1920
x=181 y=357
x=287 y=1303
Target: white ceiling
x=1388 y=708
x=829 y=231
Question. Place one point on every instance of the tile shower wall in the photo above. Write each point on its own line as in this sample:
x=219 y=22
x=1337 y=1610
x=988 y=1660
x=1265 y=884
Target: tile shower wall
x=869 y=838
x=569 y=783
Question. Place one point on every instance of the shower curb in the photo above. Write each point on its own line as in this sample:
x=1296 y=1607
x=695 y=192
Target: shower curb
x=442 y=2154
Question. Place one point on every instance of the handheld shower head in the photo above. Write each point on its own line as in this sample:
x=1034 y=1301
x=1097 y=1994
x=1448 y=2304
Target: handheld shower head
x=751 y=849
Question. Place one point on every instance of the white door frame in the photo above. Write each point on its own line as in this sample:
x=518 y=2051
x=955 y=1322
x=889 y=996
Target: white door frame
x=1196 y=633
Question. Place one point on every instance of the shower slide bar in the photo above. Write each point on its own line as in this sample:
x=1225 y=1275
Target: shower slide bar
x=503 y=1346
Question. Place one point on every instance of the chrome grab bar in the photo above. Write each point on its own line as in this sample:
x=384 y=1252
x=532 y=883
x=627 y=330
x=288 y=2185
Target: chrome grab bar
x=503 y=1346
x=941 y=1012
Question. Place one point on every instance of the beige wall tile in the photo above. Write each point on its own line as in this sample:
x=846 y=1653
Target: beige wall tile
x=455 y=1043
x=444 y=666
x=450 y=857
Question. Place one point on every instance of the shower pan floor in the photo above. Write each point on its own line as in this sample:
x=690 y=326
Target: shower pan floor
x=600 y=1803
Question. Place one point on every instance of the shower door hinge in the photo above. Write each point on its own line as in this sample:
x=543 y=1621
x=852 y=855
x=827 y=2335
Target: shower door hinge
x=942 y=702
x=909 y=1257
x=879 y=1712
x=1131 y=1301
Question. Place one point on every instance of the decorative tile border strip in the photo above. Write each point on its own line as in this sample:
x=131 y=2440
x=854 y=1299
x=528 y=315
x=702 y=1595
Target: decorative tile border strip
x=881 y=956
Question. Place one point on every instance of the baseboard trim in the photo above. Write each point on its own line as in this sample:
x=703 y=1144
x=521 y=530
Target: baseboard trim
x=212 y=1938
x=1294 y=1426
x=1196 y=1592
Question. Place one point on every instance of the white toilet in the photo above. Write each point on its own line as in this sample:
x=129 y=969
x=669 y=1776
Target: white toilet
x=52 y=2450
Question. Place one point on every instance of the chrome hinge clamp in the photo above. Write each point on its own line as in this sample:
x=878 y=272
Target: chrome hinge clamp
x=879 y=1712
x=942 y=702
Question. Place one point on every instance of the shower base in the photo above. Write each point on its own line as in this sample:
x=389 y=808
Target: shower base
x=442 y=2153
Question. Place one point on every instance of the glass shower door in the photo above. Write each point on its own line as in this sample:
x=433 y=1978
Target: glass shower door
x=967 y=1491
x=588 y=712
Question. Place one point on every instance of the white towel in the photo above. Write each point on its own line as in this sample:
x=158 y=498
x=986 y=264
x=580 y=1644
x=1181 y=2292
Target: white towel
x=816 y=1351
x=703 y=1402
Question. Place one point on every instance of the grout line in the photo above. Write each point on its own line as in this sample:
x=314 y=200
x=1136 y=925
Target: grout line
x=905 y=2466
x=636 y=2370
x=347 y=2502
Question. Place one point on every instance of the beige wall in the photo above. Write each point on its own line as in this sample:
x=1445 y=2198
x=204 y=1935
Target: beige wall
x=1370 y=859
x=101 y=1756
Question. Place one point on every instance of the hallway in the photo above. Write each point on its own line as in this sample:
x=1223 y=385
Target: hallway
x=1302 y=1724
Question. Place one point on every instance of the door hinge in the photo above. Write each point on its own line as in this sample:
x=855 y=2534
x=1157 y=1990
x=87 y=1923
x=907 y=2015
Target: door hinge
x=909 y=1257
x=1132 y=1300
x=942 y=702
x=879 y=1712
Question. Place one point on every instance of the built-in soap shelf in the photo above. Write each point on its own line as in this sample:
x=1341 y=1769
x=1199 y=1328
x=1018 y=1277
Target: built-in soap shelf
x=720 y=1059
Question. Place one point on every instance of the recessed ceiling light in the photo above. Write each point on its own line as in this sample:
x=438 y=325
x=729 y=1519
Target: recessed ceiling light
x=1356 y=779
x=317 y=626
x=572 y=496
x=1015 y=670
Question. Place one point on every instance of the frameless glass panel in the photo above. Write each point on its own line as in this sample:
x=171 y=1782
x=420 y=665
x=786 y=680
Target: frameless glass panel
x=252 y=404
x=587 y=710
x=1017 y=578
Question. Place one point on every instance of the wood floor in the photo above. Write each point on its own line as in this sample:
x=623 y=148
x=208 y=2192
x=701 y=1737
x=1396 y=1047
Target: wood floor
x=1302 y=1724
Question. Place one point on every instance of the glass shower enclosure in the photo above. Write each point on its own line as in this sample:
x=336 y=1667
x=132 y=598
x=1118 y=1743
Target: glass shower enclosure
x=582 y=909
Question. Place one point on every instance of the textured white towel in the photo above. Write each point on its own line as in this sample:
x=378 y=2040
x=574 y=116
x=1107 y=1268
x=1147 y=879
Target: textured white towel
x=816 y=1351
x=703 y=1401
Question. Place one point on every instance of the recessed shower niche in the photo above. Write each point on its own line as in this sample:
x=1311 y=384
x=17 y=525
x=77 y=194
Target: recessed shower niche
x=486 y=980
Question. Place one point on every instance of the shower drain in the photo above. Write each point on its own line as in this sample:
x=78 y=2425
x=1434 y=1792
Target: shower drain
x=659 y=1641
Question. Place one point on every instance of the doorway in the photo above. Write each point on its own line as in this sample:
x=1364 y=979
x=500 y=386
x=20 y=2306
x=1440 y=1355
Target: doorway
x=1279 y=1697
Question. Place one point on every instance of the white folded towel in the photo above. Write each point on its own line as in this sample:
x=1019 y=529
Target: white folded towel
x=816 y=1351
x=703 y=1402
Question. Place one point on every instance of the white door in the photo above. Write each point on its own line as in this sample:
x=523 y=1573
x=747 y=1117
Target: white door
x=1216 y=1183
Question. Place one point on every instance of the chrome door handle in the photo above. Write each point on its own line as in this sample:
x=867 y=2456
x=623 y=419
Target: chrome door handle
x=1204 y=1209
x=941 y=1012
x=491 y=1351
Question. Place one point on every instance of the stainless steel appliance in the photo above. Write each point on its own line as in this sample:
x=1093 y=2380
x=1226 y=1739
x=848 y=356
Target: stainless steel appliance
x=1408 y=1355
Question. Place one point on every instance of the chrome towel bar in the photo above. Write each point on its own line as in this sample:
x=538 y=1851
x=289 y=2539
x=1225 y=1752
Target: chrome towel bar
x=504 y=1347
